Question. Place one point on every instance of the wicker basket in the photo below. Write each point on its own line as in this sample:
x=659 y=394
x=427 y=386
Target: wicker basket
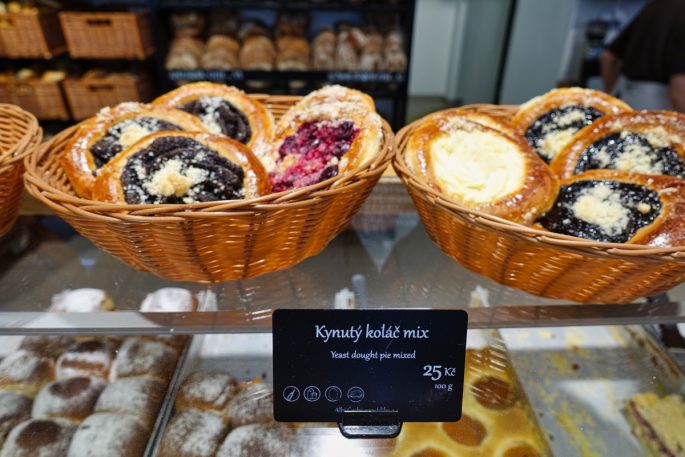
x=107 y=35
x=214 y=241
x=43 y=99
x=87 y=95
x=19 y=135
x=31 y=35
x=536 y=261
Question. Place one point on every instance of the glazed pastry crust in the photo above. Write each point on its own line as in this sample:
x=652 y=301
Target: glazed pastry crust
x=260 y=119
x=108 y=186
x=77 y=160
x=534 y=195
x=667 y=230
x=473 y=115
x=667 y=127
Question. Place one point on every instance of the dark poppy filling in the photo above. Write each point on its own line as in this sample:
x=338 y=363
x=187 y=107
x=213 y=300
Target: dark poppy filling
x=313 y=153
x=112 y=142
x=563 y=122
x=630 y=152
x=177 y=169
x=221 y=117
x=608 y=211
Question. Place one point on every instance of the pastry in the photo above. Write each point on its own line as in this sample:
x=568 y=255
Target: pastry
x=321 y=142
x=72 y=399
x=658 y=423
x=327 y=95
x=293 y=54
x=258 y=53
x=476 y=116
x=323 y=50
x=187 y=23
x=169 y=300
x=220 y=59
x=346 y=57
x=81 y=301
x=14 y=408
x=184 y=54
x=548 y=122
x=620 y=207
x=25 y=372
x=139 y=357
x=180 y=167
x=137 y=396
x=39 y=438
x=224 y=110
x=109 y=435
x=264 y=440
x=253 y=404
x=223 y=42
x=293 y=24
x=91 y=357
x=480 y=167
x=100 y=139
x=648 y=142
x=223 y=22
x=47 y=345
x=193 y=433
x=207 y=391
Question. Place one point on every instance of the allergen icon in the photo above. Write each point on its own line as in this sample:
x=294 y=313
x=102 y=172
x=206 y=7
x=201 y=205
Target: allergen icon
x=333 y=393
x=355 y=394
x=311 y=393
x=291 y=394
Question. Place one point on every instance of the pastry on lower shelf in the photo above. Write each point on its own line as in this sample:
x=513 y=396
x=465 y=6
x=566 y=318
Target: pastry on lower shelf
x=72 y=399
x=39 y=438
x=263 y=440
x=25 y=372
x=109 y=435
x=619 y=207
x=81 y=301
x=193 y=433
x=648 y=142
x=253 y=404
x=139 y=357
x=479 y=167
x=658 y=423
x=99 y=139
x=549 y=121
x=207 y=391
x=51 y=346
x=90 y=357
x=322 y=142
x=181 y=167
x=224 y=110
x=14 y=408
x=137 y=396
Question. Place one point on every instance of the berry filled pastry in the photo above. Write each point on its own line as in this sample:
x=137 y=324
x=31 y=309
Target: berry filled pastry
x=179 y=167
x=648 y=142
x=112 y=130
x=549 y=121
x=482 y=168
x=619 y=207
x=224 y=111
x=321 y=142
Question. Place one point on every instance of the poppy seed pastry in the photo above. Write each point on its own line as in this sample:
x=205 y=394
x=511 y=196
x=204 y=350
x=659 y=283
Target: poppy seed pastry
x=25 y=372
x=207 y=391
x=193 y=433
x=39 y=437
x=549 y=121
x=14 y=408
x=619 y=207
x=137 y=396
x=109 y=435
x=648 y=142
x=485 y=169
x=91 y=357
x=178 y=167
x=72 y=399
x=99 y=139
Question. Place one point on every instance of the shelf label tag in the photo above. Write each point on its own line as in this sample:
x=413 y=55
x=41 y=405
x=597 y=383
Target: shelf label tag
x=399 y=365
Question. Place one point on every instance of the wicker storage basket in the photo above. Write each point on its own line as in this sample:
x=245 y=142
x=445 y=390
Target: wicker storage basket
x=87 y=95
x=43 y=99
x=30 y=35
x=19 y=135
x=214 y=241
x=107 y=35
x=536 y=261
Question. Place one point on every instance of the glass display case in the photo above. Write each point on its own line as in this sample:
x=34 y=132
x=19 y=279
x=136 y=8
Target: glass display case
x=543 y=377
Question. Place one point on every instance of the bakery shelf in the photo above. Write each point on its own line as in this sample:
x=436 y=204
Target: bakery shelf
x=333 y=76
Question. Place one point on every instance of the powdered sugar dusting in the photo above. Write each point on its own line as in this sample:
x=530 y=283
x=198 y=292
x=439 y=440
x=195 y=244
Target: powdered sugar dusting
x=80 y=301
x=39 y=438
x=86 y=358
x=210 y=390
x=14 y=408
x=143 y=357
x=272 y=440
x=108 y=435
x=24 y=366
x=72 y=398
x=137 y=396
x=168 y=299
x=253 y=404
x=193 y=433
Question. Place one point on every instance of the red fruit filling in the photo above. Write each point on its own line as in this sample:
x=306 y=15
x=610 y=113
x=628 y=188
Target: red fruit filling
x=312 y=153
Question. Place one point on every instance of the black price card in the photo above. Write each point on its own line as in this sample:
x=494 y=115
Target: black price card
x=333 y=363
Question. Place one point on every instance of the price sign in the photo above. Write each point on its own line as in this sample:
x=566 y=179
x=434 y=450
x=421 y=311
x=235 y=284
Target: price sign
x=405 y=363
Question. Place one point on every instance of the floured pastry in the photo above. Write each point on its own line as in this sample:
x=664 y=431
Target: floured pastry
x=549 y=121
x=179 y=167
x=111 y=131
x=648 y=142
x=620 y=207
x=496 y=420
x=84 y=300
x=225 y=111
x=482 y=168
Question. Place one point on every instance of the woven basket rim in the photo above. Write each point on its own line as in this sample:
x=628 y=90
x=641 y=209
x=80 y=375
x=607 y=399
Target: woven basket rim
x=31 y=137
x=534 y=235
x=43 y=189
